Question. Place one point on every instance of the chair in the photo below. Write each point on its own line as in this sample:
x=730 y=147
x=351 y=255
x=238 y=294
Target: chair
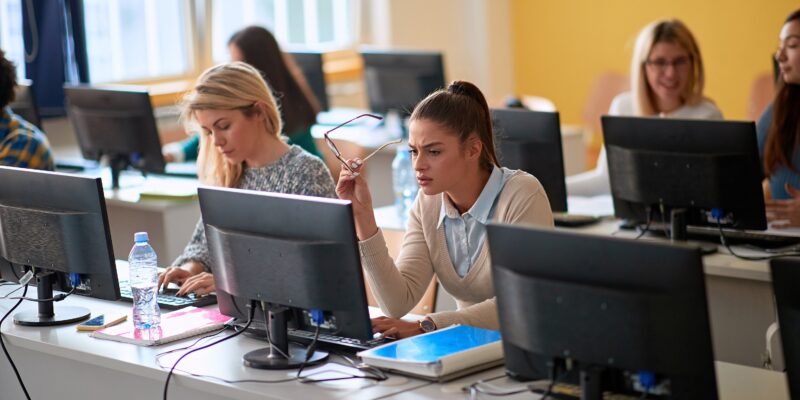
x=24 y=103
x=605 y=87
x=762 y=91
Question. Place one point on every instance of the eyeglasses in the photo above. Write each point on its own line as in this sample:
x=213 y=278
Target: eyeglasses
x=661 y=64
x=338 y=154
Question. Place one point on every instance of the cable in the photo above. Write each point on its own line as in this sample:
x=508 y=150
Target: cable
x=31 y=57
x=172 y=370
x=647 y=226
x=58 y=297
x=310 y=351
x=750 y=258
x=8 y=356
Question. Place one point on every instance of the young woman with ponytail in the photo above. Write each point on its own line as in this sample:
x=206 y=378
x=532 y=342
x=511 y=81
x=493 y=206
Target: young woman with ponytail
x=462 y=188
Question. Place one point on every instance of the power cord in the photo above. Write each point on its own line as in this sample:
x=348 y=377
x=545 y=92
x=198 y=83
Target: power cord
x=56 y=298
x=250 y=319
x=2 y=344
x=727 y=245
x=647 y=225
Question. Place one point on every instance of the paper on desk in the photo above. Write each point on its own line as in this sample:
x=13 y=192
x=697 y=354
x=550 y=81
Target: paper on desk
x=599 y=206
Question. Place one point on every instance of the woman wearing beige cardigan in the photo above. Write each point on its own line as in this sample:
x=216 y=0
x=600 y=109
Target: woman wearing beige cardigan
x=462 y=187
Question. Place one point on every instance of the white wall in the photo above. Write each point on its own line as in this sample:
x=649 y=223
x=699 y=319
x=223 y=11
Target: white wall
x=473 y=35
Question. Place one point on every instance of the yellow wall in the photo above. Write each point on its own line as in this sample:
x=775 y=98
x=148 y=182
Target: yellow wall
x=560 y=46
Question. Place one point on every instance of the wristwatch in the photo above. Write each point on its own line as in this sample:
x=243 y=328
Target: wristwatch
x=426 y=325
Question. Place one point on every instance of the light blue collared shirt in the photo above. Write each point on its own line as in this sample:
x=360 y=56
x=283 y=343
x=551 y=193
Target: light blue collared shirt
x=466 y=233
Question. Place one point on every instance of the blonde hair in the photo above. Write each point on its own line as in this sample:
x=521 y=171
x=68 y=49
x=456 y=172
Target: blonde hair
x=231 y=86
x=669 y=31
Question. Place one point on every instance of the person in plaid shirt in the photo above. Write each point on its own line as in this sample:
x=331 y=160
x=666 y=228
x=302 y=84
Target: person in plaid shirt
x=21 y=143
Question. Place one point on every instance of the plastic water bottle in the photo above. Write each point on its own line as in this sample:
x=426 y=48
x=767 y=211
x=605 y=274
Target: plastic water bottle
x=404 y=182
x=143 y=265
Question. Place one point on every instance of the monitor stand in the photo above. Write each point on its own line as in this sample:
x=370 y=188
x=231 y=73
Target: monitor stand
x=678 y=232
x=46 y=316
x=281 y=354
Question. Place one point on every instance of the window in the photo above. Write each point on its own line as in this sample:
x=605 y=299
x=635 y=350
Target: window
x=295 y=23
x=11 y=34
x=136 y=40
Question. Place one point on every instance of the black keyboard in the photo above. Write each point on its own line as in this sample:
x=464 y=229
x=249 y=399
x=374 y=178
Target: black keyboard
x=732 y=236
x=337 y=343
x=573 y=220
x=168 y=300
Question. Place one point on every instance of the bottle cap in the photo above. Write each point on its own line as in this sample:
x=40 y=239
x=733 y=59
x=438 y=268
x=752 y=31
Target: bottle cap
x=140 y=237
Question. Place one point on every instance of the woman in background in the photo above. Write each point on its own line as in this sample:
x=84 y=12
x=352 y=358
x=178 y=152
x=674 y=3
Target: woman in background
x=240 y=147
x=779 y=130
x=462 y=188
x=256 y=46
x=667 y=81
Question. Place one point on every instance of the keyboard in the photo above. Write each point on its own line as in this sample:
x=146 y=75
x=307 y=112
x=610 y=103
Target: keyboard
x=755 y=238
x=336 y=343
x=168 y=300
x=573 y=220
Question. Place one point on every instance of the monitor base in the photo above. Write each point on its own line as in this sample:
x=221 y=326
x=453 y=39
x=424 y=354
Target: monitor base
x=267 y=358
x=62 y=316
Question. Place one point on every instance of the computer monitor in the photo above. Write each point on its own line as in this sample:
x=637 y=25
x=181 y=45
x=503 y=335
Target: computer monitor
x=785 y=275
x=310 y=64
x=55 y=225
x=531 y=141
x=398 y=80
x=24 y=103
x=624 y=313
x=117 y=123
x=292 y=254
x=693 y=172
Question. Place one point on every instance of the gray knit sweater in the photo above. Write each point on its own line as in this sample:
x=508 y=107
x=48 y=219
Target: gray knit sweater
x=296 y=172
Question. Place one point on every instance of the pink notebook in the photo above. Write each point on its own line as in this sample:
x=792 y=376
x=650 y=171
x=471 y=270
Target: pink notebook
x=176 y=325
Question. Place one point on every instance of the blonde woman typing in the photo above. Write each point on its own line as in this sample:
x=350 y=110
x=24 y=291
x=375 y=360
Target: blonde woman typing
x=462 y=187
x=667 y=80
x=241 y=147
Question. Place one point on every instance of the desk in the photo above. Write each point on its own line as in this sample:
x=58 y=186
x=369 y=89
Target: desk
x=60 y=363
x=740 y=299
x=734 y=382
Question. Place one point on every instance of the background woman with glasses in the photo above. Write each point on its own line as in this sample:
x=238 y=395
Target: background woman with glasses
x=667 y=80
x=462 y=187
x=256 y=46
x=779 y=130
x=240 y=147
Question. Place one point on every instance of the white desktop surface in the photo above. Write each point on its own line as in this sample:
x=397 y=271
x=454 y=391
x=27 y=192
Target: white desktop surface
x=734 y=382
x=61 y=363
x=740 y=299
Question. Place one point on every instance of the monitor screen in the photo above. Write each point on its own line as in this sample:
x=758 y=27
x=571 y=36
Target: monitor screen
x=117 y=123
x=398 y=80
x=310 y=64
x=785 y=275
x=24 y=103
x=707 y=170
x=293 y=255
x=617 y=310
x=56 y=226
x=531 y=141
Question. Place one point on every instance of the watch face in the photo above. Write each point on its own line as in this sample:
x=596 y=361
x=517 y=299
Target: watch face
x=427 y=325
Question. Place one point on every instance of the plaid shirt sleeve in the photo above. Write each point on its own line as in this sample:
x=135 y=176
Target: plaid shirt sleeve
x=26 y=149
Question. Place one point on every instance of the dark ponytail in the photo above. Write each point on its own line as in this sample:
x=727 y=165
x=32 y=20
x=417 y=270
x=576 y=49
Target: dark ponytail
x=462 y=108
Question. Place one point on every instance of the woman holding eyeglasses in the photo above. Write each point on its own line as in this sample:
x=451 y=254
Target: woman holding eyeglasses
x=240 y=147
x=667 y=81
x=298 y=106
x=462 y=187
x=779 y=130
